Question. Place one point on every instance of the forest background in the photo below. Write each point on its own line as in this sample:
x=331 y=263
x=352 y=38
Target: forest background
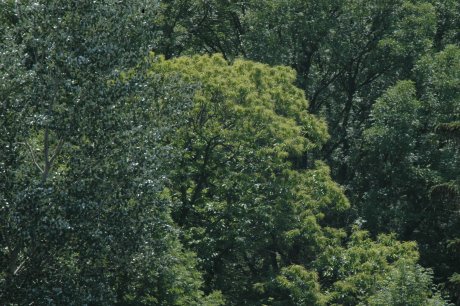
x=205 y=152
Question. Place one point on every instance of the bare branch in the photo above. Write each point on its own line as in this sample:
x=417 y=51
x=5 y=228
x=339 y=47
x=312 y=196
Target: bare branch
x=46 y=149
x=33 y=156
x=57 y=150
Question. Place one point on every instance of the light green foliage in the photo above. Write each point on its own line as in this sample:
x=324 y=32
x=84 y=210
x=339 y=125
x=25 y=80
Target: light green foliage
x=254 y=220
x=251 y=91
x=406 y=285
x=302 y=286
x=235 y=191
x=354 y=269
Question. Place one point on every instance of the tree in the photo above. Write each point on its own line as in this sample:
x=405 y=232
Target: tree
x=345 y=53
x=258 y=222
x=406 y=285
x=130 y=179
x=82 y=218
x=246 y=121
x=448 y=21
x=408 y=168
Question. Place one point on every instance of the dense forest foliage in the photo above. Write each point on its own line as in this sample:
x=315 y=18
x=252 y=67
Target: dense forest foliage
x=210 y=152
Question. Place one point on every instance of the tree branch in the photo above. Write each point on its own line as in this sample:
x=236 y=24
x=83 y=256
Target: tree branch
x=57 y=150
x=33 y=156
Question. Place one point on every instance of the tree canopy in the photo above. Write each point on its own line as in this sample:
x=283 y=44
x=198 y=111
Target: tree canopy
x=191 y=152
